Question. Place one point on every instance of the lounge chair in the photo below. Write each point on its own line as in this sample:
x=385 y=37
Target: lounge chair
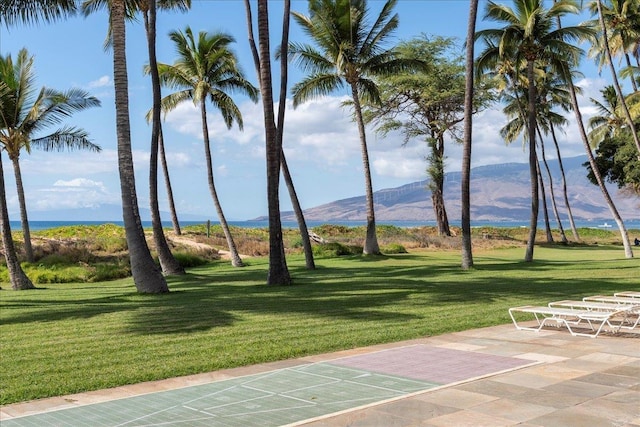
x=630 y=312
x=628 y=294
x=569 y=317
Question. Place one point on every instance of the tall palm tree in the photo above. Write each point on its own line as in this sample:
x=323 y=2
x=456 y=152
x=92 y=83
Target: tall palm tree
x=206 y=69
x=282 y=106
x=32 y=112
x=531 y=32
x=11 y=12
x=592 y=162
x=350 y=52
x=622 y=21
x=168 y=262
x=146 y=275
x=148 y=9
x=278 y=270
x=614 y=76
x=467 y=253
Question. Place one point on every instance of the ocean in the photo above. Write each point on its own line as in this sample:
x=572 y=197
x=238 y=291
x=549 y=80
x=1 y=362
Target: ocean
x=611 y=225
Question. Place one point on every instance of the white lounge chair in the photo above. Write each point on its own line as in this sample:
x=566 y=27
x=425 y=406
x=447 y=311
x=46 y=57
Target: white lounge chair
x=571 y=318
x=630 y=312
x=621 y=301
x=628 y=294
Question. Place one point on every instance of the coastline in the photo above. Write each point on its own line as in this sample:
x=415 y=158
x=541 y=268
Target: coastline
x=604 y=225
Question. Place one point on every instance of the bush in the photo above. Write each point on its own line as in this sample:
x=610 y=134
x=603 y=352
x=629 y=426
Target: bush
x=189 y=260
x=330 y=250
x=393 y=248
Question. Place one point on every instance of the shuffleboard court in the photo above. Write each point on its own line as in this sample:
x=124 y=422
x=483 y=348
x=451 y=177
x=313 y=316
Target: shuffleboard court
x=286 y=396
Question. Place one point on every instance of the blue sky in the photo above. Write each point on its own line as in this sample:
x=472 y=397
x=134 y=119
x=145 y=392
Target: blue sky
x=320 y=140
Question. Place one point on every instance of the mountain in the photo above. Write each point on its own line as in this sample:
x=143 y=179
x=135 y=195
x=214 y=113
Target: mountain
x=498 y=193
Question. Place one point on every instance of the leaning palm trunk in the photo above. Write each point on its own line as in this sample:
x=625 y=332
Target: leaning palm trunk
x=24 y=220
x=545 y=210
x=533 y=164
x=614 y=76
x=371 y=241
x=278 y=270
x=167 y=182
x=236 y=261
x=554 y=205
x=572 y=223
x=146 y=275
x=596 y=172
x=168 y=263
x=297 y=209
x=282 y=103
x=467 y=254
x=19 y=280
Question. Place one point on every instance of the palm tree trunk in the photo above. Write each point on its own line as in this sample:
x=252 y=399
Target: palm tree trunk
x=168 y=263
x=545 y=211
x=371 y=241
x=24 y=220
x=236 y=261
x=467 y=254
x=572 y=223
x=297 y=209
x=554 y=205
x=19 y=280
x=282 y=104
x=278 y=271
x=614 y=76
x=167 y=181
x=596 y=172
x=146 y=275
x=533 y=164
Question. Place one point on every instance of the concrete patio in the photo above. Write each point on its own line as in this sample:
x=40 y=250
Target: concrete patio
x=578 y=382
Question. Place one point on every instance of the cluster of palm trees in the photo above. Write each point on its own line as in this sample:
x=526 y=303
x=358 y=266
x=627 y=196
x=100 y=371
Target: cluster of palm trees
x=532 y=59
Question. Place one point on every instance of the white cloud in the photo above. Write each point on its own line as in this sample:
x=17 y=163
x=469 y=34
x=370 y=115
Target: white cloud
x=79 y=183
x=70 y=194
x=104 y=81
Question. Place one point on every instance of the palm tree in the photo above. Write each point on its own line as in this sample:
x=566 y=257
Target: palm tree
x=206 y=69
x=168 y=262
x=278 y=271
x=349 y=52
x=146 y=275
x=531 y=32
x=622 y=21
x=148 y=9
x=592 y=162
x=282 y=104
x=616 y=83
x=28 y=11
x=29 y=114
x=467 y=253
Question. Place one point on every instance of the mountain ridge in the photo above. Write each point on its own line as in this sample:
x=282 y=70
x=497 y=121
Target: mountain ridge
x=493 y=198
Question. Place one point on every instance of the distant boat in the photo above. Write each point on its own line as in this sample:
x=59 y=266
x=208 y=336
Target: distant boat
x=605 y=225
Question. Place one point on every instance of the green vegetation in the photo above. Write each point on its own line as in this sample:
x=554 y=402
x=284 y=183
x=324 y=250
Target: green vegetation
x=66 y=338
x=98 y=253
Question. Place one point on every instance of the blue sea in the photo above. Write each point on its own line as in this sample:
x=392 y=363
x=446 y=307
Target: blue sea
x=611 y=225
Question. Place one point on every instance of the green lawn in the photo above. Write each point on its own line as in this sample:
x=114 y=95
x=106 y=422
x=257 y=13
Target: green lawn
x=69 y=338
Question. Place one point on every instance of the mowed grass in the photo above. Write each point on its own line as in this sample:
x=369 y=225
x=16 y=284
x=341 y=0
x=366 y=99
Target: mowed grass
x=68 y=338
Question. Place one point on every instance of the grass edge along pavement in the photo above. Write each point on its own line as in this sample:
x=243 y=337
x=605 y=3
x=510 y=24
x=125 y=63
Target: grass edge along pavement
x=68 y=338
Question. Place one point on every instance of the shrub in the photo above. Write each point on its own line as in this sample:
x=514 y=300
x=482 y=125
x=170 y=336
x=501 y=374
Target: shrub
x=336 y=249
x=393 y=248
x=188 y=260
